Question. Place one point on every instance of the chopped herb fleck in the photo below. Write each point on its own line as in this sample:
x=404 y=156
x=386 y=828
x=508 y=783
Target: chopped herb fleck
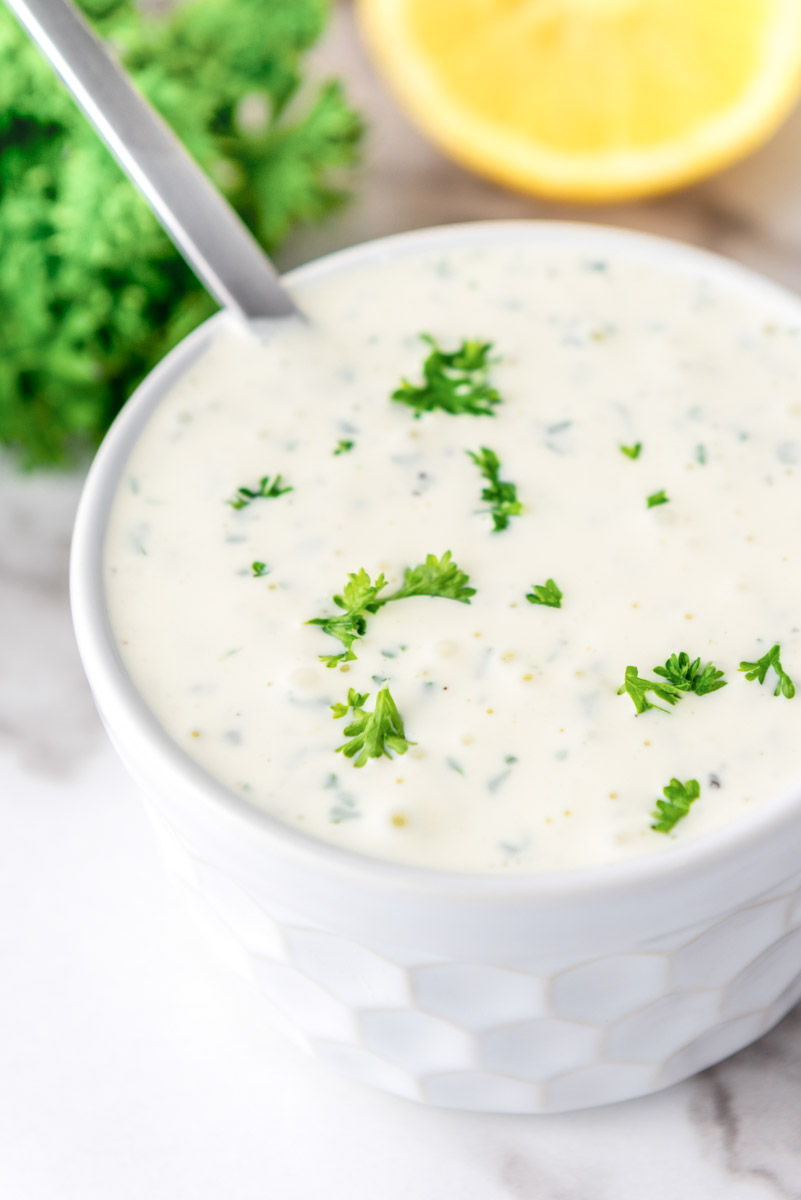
x=759 y=669
x=360 y=597
x=700 y=454
x=632 y=451
x=688 y=676
x=267 y=490
x=497 y=780
x=637 y=688
x=343 y=447
x=372 y=735
x=454 y=381
x=657 y=498
x=345 y=810
x=678 y=798
x=259 y=569
x=545 y=593
x=501 y=495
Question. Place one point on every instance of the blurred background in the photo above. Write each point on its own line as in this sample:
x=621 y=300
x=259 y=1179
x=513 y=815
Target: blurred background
x=621 y=111
x=130 y=1067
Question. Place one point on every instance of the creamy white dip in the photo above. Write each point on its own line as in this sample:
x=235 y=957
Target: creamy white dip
x=525 y=757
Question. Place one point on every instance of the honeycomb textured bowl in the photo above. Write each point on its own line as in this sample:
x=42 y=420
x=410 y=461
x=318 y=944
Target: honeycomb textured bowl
x=502 y=994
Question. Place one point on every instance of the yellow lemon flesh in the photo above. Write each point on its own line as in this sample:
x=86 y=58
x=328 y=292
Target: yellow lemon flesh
x=591 y=99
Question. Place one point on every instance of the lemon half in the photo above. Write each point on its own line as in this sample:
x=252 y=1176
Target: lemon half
x=591 y=99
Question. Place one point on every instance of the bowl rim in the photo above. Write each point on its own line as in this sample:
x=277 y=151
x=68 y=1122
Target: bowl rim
x=115 y=692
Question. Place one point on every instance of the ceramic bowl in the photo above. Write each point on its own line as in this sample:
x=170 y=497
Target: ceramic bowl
x=529 y=993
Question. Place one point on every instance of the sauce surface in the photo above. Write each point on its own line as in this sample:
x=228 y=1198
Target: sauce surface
x=525 y=757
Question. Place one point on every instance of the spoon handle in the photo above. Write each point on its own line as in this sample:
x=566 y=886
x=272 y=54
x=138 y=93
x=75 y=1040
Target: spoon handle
x=204 y=227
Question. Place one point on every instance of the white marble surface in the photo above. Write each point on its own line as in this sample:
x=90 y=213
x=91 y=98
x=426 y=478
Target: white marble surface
x=131 y=1065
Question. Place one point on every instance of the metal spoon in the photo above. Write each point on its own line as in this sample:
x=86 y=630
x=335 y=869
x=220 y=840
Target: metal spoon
x=204 y=227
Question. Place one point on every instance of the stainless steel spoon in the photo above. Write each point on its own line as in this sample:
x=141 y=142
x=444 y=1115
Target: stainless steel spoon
x=204 y=227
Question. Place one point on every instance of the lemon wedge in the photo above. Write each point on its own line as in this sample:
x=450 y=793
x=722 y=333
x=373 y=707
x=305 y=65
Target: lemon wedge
x=591 y=100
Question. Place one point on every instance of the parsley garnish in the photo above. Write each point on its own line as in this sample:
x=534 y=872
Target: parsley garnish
x=435 y=577
x=343 y=447
x=500 y=495
x=259 y=569
x=688 y=676
x=657 y=498
x=545 y=593
x=636 y=688
x=454 y=381
x=678 y=798
x=632 y=451
x=759 y=669
x=360 y=597
x=375 y=734
x=267 y=490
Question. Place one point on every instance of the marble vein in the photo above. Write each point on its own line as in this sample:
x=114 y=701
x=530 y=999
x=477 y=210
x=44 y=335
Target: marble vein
x=748 y=1110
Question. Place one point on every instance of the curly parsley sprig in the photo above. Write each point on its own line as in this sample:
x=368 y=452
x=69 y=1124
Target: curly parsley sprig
x=759 y=669
x=638 y=688
x=501 y=495
x=545 y=593
x=376 y=734
x=455 y=381
x=678 y=799
x=681 y=675
x=360 y=598
x=435 y=577
x=688 y=676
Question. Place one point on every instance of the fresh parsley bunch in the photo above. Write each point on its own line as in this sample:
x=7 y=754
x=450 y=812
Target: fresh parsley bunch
x=91 y=291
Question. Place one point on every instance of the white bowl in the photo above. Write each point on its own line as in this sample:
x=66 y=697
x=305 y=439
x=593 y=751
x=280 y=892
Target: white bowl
x=529 y=993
